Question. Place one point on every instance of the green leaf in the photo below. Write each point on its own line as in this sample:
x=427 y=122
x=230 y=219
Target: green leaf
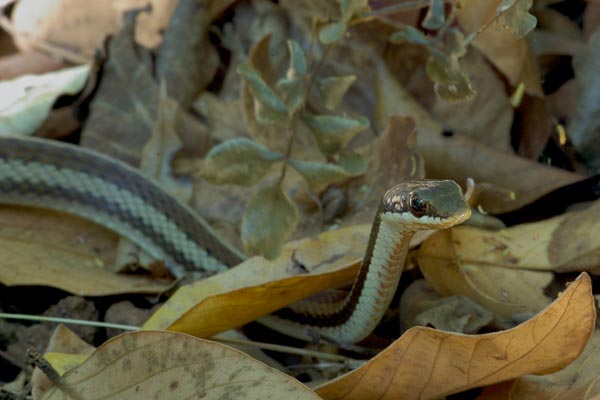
x=353 y=163
x=352 y=7
x=319 y=175
x=332 y=132
x=334 y=88
x=298 y=65
x=516 y=17
x=455 y=42
x=238 y=161
x=269 y=107
x=293 y=92
x=450 y=82
x=409 y=34
x=434 y=19
x=269 y=221
x=332 y=32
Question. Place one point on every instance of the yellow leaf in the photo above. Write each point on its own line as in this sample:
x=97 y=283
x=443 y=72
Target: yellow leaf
x=41 y=247
x=303 y=268
x=578 y=381
x=426 y=364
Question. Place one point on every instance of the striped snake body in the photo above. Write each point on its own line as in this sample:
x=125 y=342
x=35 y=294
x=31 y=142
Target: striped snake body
x=69 y=178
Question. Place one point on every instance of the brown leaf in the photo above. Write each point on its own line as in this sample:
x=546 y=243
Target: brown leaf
x=500 y=46
x=392 y=160
x=63 y=340
x=142 y=365
x=303 y=268
x=187 y=61
x=584 y=128
x=421 y=305
x=536 y=126
x=575 y=243
x=488 y=116
x=124 y=110
x=446 y=261
x=427 y=364
x=576 y=382
x=457 y=157
x=48 y=248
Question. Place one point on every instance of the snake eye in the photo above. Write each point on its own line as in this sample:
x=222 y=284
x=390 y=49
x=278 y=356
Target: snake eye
x=418 y=206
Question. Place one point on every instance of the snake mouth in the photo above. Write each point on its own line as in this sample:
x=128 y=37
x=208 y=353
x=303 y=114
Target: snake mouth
x=426 y=222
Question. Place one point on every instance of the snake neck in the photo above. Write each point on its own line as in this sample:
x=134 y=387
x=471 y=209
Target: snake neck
x=378 y=279
x=354 y=317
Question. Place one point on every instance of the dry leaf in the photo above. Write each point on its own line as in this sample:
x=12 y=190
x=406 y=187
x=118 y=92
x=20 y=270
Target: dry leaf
x=26 y=101
x=500 y=46
x=427 y=364
x=568 y=242
x=124 y=111
x=488 y=116
x=584 y=128
x=503 y=291
x=142 y=365
x=420 y=305
x=458 y=157
x=48 y=248
x=392 y=159
x=66 y=342
x=579 y=381
x=187 y=61
x=303 y=268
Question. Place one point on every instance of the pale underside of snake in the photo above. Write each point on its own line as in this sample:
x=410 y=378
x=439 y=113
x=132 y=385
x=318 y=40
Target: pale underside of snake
x=71 y=179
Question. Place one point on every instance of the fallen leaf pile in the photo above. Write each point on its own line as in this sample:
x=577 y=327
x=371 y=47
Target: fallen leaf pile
x=281 y=124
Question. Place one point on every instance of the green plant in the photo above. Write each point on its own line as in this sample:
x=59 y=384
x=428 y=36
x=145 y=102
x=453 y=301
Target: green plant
x=271 y=217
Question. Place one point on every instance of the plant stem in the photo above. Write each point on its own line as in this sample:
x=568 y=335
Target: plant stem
x=292 y=125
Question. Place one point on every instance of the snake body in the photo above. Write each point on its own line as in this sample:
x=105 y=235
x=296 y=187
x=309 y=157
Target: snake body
x=69 y=178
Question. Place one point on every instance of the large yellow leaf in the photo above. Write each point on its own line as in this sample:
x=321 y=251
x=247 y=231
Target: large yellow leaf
x=41 y=247
x=169 y=365
x=426 y=364
x=579 y=381
x=258 y=286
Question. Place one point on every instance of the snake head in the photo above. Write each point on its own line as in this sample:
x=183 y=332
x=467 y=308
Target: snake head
x=426 y=204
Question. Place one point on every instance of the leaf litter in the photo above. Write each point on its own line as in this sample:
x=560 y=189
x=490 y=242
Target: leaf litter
x=459 y=82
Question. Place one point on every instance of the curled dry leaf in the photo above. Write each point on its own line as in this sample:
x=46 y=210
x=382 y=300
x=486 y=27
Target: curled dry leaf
x=25 y=102
x=257 y=286
x=426 y=364
x=579 y=381
x=503 y=291
x=142 y=365
x=49 y=248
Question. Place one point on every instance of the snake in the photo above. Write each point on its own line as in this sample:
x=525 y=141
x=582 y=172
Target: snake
x=69 y=178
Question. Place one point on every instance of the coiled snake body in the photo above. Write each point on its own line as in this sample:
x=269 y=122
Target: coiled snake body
x=68 y=178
